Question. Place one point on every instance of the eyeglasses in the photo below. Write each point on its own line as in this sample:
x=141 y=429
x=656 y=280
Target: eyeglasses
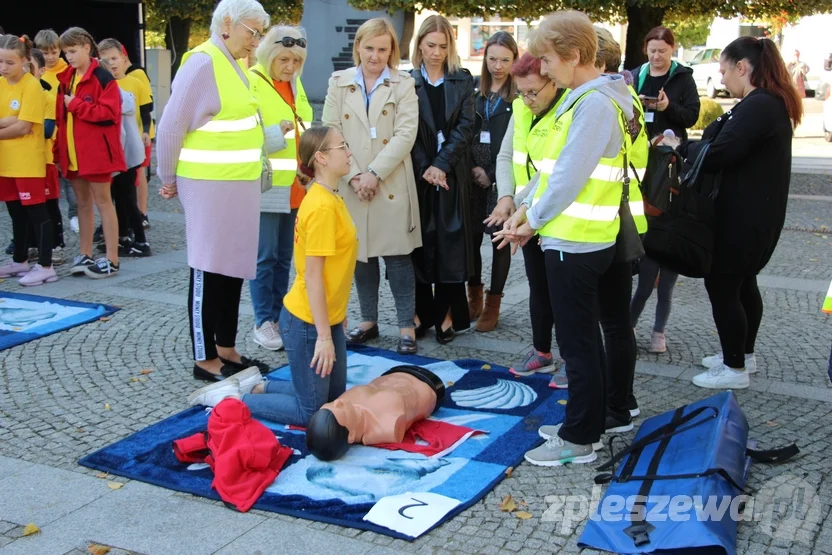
x=345 y=145
x=532 y=95
x=289 y=42
x=255 y=34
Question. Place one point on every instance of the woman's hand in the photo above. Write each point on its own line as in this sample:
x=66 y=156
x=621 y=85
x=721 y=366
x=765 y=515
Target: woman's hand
x=168 y=191
x=324 y=358
x=367 y=186
x=662 y=102
x=435 y=176
x=501 y=213
x=286 y=126
x=481 y=178
x=517 y=237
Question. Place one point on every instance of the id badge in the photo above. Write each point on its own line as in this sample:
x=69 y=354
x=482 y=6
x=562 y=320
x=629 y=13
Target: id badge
x=440 y=139
x=649 y=116
x=485 y=137
x=373 y=134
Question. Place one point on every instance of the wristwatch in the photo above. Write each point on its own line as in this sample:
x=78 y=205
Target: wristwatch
x=374 y=173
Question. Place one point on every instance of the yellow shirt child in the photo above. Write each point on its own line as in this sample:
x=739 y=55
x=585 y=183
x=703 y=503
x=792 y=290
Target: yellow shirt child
x=23 y=156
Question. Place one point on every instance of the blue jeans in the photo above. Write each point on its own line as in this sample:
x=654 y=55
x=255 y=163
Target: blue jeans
x=274 y=258
x=295 y=402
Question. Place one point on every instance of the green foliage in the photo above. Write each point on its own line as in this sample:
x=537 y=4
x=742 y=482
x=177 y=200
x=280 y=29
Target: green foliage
x=709 y=110
x=199 y=12
x=689 y=31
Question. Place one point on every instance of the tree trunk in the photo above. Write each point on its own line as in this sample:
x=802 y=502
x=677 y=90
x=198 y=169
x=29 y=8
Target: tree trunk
x=640 y=19
x=407 y=34
x=177 y=32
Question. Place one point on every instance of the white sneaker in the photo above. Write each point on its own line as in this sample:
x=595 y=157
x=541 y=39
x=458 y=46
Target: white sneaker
x=248 y=378
x=73 y=224
x=722 y=377
x=547 y=432
x=268 y=337
x=717 y=359
x=211 y=395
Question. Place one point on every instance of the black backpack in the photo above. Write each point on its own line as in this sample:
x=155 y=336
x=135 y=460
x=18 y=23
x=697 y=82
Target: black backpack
x=681 y=213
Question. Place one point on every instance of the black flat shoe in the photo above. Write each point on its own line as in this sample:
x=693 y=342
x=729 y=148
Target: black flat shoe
x=421 y=331
x=445 y=337
x=203 y=374
x=358 y=336
x=246 y=362
x=407 y=346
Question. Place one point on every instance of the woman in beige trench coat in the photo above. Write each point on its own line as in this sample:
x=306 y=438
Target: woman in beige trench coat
x=375 y=107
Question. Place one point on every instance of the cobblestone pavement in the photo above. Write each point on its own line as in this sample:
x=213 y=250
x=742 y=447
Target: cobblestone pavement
x=68 y=394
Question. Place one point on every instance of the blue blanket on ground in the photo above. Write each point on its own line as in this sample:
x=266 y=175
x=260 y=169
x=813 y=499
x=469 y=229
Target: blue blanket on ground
x=478 y=395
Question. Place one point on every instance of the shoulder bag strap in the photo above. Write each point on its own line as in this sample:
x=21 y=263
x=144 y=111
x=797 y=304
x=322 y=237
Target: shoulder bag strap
x=269 y=81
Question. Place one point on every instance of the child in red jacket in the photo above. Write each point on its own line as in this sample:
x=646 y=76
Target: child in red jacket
x=88 y=150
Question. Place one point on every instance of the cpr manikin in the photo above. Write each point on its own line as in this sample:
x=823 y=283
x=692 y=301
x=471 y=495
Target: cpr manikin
x=379 y=412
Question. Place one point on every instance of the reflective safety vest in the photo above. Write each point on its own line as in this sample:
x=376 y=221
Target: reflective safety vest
x=529 y=143
x=593 y=215
x=274 y=110
x=827 y=304
x=230 y=146
x=638 y=157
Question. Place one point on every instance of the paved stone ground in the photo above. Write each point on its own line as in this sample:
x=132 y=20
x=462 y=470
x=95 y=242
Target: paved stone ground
x=68 y=394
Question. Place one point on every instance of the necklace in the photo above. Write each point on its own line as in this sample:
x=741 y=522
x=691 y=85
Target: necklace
x=327 y=187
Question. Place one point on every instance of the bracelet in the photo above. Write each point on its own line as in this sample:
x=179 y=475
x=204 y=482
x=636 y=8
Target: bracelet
x=324 y=339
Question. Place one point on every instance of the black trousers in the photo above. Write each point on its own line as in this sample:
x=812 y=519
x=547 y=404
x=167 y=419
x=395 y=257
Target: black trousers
x=123 y=189
x=34 y=217
x=738 y=310
x=213 y=311
x=434 y=300
x=540 y=307
x=587 y=290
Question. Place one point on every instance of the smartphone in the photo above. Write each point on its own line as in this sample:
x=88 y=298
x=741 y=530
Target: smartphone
x=650 y=99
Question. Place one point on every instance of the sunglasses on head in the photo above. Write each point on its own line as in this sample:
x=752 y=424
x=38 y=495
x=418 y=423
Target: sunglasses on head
x=289 y=42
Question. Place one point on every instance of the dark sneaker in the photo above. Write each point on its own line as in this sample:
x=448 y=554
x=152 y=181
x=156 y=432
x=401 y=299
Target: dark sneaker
x=145 y=221
x=137 y=249
x=10 y=248
x=80 y=264
x=98 y=236
x=103 y=268
x=615 y=425
x=124 y=244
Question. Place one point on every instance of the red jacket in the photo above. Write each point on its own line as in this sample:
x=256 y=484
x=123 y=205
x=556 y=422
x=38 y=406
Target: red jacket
x=96 y=112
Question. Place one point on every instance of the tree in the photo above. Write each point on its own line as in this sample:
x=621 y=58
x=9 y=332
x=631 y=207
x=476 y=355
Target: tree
x=176 y=18
x=689 y=31
x=640 y=15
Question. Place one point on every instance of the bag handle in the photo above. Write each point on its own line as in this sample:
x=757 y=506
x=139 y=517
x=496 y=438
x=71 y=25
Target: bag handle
x=298 y=119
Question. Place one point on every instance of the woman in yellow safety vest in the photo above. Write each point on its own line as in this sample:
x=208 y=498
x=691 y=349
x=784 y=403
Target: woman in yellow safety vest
x=574 y=208
x=275 y=83
x=209 y=145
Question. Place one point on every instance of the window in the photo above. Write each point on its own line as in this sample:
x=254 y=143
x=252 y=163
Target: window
x=480 y=34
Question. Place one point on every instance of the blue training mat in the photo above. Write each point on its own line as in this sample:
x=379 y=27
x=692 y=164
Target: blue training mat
x=342 y=492
x=24 y=318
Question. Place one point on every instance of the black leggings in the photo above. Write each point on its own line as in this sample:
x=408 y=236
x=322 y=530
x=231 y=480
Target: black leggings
x=124 y=194
x=38 y=215
x=500 y=258
x=57 y=226
x=213 y=311
x=540 y=307
x=434 y=301
x=738 y=310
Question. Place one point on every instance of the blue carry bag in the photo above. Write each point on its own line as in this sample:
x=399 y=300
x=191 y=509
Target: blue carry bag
x=679 y=487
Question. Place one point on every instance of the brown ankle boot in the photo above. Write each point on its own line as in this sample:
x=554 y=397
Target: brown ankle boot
x=488 y=320
x=475 y=301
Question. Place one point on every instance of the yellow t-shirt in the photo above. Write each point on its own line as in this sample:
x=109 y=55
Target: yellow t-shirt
x=324 y=227
x=23 y=156
x=51 y=75
x=140 y=92
x=140 y=76
x=70 y=132
x=49 y=113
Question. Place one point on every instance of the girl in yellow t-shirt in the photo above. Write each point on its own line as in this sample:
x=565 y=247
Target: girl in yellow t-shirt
x=23 y=161
x=315 y=309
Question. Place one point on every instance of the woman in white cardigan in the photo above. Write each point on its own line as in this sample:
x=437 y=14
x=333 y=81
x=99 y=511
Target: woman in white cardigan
x=375 y=106
x=275 y=82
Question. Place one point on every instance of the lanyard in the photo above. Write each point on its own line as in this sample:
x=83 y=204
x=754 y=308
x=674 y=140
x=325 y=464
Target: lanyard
x=488 y=111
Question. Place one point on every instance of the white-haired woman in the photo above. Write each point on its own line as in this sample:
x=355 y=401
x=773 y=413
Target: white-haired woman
x=209 y=148
x=275 y=83
x=374 y=105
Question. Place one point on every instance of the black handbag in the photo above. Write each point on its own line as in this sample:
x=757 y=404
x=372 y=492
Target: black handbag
x=628 y=246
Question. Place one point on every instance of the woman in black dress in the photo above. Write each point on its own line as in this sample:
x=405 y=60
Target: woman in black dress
x=752 y=147
x=493 y=94
x=442 y=164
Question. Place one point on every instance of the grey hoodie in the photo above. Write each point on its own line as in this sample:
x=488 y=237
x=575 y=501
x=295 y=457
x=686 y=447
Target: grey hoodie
x=594 y=134
x=131 y=138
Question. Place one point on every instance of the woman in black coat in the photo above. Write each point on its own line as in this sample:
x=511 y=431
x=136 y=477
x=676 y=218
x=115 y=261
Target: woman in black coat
x=494 y=92
x=666 y=88
x=442 y=163
x=752 y=148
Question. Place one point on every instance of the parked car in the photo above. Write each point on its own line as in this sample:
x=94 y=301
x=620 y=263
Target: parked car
x=706 y=74
x=827 y=117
